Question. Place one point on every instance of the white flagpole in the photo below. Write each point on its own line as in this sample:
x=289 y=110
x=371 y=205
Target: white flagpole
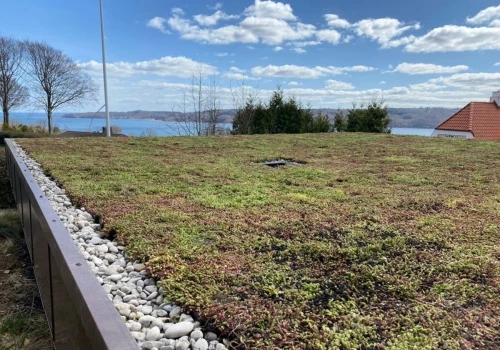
x=108 y=128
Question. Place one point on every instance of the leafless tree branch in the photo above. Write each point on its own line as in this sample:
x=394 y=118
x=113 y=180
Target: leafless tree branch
x=199 y=110
x=56 y=79
x=12 y=93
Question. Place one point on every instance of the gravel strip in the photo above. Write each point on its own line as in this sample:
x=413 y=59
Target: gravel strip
x=154 y=323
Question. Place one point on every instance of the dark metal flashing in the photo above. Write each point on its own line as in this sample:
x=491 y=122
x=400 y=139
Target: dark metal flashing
x=78 y=311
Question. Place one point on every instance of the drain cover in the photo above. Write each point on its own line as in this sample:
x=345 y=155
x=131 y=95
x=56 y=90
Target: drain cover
x=280 y=162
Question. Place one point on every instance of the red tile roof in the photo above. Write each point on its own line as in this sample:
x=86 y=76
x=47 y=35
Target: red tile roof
x=482 y=119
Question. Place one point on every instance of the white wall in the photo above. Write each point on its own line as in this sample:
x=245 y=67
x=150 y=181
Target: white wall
x=495 y=97
x=453 y=133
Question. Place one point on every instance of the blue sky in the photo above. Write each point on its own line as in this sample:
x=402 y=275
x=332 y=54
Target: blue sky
x=327 y=53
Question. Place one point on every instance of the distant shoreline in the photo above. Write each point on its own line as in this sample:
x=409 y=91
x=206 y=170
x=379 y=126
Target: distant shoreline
x=131 y=118
x=424 y=117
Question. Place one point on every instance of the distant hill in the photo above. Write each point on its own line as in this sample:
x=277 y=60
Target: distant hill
x=420 y=117
x=425 y=117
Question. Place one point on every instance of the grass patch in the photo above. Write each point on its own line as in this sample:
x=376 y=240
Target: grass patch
x=22 y=320
x=376 y=241
x=10 y=227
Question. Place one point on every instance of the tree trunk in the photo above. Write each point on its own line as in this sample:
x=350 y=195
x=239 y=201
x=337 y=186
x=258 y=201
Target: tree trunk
x=49 y=117
x=5 y=117
x=5 y=110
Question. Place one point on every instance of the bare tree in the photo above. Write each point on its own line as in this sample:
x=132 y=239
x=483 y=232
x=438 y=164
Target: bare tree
x=245 y=98
x=212 y=105
x=199 y=109
x=242 y=93
x=198 y=100
x=57 y=79
x=12 y=93
x=182 y=116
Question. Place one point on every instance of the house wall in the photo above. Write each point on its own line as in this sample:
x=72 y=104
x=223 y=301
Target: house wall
x=453 y=133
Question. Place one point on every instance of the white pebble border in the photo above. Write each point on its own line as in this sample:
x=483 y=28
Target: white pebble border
x=153 y=322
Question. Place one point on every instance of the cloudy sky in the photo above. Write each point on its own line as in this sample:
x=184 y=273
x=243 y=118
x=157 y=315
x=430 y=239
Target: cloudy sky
x=326 y=52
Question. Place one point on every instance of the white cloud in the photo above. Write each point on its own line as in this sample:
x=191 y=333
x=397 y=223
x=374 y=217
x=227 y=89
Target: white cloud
x=250 y=47
x=299 y=50
x=457 y=38
x=293 y=71
x=428 y=68
x=347 y=39
x=274 y=23
x=294 y=83
x=268 y=22
x=212 y=20
x=166 y=66
x=382 y=30
x=268 y=30
x=236 y=70
x=158 y=23
x=221 y=54
x=304 y=43
x=427 y=87
x=127 y=100
x=277 y=48
x=271 y=9
x=223 y=35
x=328 y=35
x=217 y=6
x=162 y=85
x=401 y=41
x=497 y=64
x=177 y=11
x=481 y=81
x=336 y=22
x=302 y=72
x=237 y=76
x=338 y=85
x=274 y=31
x=357 y=69
x=382 y=82
x=486 y=16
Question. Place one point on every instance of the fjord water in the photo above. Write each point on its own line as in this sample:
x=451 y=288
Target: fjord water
x=129 y=126
x=412 y=131
x=136 y=127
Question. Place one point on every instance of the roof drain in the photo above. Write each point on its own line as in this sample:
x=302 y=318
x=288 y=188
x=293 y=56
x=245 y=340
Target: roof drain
x=279 y=162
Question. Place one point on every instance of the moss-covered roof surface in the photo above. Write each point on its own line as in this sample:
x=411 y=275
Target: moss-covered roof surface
x=374 y=242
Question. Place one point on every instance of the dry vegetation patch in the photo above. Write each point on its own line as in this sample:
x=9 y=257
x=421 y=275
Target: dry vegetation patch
x=375 y=241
